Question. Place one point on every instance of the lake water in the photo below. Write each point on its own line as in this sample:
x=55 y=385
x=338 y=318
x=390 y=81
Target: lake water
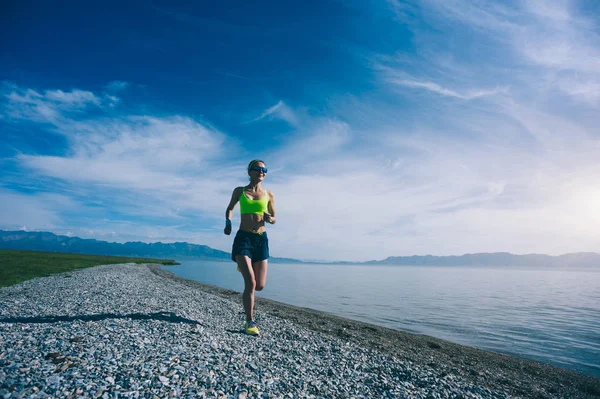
x=548 y=315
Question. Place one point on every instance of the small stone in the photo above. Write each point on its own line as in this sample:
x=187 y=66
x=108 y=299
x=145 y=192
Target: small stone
x=52 y=355
x=164 y=380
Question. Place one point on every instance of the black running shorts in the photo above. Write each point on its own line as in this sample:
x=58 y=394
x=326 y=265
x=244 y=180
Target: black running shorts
x=253 y=245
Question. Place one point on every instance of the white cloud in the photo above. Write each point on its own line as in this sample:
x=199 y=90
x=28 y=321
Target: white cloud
x=133 y=153
x=585 y=90
x=320 y=139
x=33 y=211
x=72 y=99
x=400 y=9
x=485 y=15
x=112 y=101
x=434 y=87
x=30 y=105
x=551 y=36
x=51 y=106
x=555 y=10
x=280 y=111
x=165 y=163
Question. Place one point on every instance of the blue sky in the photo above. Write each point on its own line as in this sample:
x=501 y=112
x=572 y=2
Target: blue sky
x=389 y=128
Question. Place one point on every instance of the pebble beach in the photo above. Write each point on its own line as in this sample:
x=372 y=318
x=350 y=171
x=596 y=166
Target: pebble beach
x=138 y=331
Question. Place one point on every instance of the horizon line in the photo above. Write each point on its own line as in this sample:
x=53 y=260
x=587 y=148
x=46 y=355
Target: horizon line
x=313 y=261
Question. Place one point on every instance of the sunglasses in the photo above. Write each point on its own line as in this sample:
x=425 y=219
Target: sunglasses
x=259 y=169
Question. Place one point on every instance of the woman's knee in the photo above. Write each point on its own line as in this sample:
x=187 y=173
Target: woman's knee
x=259 y=286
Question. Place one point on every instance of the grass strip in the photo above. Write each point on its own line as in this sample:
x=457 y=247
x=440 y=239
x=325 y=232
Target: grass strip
x=18 y=266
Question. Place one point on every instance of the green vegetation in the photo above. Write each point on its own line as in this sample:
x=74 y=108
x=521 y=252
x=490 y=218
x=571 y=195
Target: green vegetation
x=17 y=266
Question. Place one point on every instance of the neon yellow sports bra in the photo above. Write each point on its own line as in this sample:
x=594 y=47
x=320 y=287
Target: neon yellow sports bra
x=257 y=207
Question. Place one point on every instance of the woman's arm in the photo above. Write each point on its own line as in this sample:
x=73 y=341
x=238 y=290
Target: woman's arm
x=235 y=197
x=270 y=217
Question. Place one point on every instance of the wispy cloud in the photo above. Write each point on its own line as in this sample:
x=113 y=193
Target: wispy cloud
x=37 y=211
x=320 y=138
x=165 y=159
x=133 y=153
x=434 y=87
x=280 y=111
x=50 y=105
x=402 y=10
x=72 y=99
x=564 y=45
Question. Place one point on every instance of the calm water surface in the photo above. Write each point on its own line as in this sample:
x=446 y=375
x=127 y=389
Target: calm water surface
x=548 y=315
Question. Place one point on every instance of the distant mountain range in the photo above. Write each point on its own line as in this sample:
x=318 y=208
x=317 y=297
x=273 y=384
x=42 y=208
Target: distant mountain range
x=45 y=241
x=579 y=259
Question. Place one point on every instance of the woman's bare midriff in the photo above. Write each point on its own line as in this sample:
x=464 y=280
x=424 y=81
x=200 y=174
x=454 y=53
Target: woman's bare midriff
x=252 y=222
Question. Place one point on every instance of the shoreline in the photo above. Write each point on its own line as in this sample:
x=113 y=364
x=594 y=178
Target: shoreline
x=516 y=376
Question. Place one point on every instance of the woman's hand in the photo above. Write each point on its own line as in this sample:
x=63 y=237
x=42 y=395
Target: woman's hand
x=268 y=218
x=227 y=229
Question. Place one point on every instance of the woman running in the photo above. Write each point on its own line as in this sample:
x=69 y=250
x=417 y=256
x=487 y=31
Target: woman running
x=251 y=246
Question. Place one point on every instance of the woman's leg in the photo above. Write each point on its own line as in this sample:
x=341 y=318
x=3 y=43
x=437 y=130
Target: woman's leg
x=249 y=284
x=260 y=274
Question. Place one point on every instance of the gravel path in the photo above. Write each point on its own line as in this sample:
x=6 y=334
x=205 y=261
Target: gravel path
x=127 y=331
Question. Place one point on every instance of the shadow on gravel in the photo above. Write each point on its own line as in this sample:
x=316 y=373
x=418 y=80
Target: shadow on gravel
x=161 y=316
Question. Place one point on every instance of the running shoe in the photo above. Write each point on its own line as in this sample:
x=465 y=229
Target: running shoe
x=251 y=328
